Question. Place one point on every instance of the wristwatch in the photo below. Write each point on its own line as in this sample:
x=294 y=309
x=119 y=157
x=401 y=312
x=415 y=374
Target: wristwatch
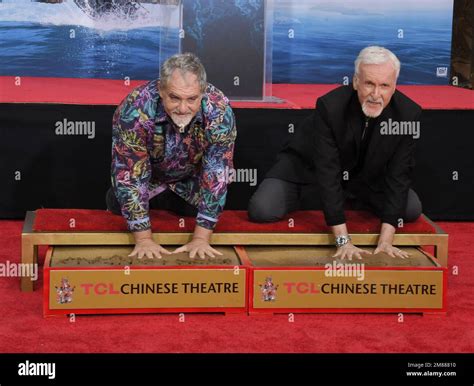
x=342 y=240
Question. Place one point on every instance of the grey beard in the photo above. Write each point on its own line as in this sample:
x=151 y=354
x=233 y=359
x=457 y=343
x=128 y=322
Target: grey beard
x=182 y=125
x=370 y=115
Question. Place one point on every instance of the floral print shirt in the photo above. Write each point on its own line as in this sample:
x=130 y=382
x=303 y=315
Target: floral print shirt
x=150 y=154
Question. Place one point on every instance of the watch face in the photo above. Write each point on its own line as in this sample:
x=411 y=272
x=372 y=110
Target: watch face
x=342 y=240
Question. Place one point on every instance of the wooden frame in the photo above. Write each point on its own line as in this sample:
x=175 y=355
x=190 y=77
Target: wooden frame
x=30 y=240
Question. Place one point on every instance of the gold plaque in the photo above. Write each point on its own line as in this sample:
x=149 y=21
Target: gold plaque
x=305 y=277
x=107 y=278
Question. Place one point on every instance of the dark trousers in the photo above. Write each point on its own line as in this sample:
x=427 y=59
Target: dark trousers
x=166 y=200
x=275 y=198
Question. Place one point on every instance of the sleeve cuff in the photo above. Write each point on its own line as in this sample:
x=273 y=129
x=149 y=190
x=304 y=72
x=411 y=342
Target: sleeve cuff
x=206 y=221
x=391 y=219
x=142 y=224
x=332 y=220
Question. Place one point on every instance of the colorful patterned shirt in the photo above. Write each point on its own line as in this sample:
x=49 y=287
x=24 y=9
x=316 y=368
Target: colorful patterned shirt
x=149 y=154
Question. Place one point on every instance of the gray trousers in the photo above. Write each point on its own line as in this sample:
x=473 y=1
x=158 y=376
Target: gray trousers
x=275 y=198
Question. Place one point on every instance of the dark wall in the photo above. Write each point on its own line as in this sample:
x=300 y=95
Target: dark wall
x=462 y=48
x=229 y=38
x=73 y=171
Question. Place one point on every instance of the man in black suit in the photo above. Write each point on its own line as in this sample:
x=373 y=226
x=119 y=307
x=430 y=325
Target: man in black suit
x=357 y=146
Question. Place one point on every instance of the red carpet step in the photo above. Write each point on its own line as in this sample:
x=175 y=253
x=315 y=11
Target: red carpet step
x=231 y=221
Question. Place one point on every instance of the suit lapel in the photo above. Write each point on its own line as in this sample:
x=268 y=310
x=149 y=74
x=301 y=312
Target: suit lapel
x=355 y=122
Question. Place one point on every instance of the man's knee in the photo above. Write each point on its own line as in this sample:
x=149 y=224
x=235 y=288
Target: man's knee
x=260 y=210
x=268 y=202
x=414 y=208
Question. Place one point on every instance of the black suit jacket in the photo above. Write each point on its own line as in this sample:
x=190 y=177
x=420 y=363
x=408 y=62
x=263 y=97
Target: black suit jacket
x=328 y=144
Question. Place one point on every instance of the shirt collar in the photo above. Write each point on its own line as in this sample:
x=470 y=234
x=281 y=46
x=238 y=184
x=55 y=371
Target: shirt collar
x=198 y=118
x=161 y=115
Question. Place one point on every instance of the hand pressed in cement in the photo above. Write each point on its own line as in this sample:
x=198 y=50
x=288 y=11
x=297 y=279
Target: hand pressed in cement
x=198 y=246
x=390 y=250
x=349 y=250
x=148 y=248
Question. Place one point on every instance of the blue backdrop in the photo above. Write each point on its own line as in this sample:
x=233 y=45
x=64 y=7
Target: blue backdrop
x=314 y=41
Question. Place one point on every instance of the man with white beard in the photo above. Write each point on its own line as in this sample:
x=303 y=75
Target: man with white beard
x=340 y=154
x=172 y=143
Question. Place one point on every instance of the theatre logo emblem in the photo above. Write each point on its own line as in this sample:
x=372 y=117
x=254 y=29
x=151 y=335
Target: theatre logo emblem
x=64 y=292
x=269 y=290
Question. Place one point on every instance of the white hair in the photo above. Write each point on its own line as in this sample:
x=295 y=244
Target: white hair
x=186 y=62
x=376 y=55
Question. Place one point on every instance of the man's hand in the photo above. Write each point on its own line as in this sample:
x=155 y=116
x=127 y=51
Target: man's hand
x=198 y=246
x=386 y=240
x=349 y=250
x=390 y=250
x=148 y=248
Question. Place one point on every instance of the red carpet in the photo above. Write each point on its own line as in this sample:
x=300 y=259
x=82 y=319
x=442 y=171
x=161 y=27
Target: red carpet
x=310 y=221
x=292 y=96
x=23 y=328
